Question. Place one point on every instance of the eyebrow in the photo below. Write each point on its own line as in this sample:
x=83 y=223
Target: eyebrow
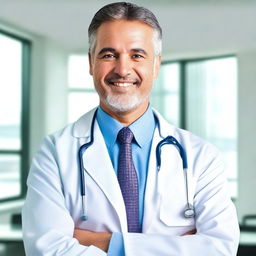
x=107 y=49
x=139 y=50
x=112 y=50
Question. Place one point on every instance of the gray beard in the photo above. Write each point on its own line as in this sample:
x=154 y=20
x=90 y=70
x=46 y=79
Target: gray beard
x=116 y=104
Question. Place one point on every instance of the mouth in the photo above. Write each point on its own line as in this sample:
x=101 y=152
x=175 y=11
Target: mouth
x=122 y=83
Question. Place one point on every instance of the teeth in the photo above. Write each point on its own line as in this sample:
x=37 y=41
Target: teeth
x=123 y=84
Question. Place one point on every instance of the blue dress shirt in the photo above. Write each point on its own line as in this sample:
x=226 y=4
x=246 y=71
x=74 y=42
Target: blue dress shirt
x=140 y=150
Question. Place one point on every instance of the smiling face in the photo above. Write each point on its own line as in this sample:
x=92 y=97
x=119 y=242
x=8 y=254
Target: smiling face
x=123 y=66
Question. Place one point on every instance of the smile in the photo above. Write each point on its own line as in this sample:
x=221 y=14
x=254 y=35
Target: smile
x=122 y=84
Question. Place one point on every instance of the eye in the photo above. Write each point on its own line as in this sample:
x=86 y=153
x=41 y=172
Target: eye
x=108 y=56
x=137 y=56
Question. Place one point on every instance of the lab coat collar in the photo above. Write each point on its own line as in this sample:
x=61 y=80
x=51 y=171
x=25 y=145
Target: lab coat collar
x=165 y=129
x=82 y=126
x=105 y=176
x=102 y=172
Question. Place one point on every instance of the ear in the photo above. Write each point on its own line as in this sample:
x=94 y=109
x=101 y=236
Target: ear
x=157 y=64
x=90 y=63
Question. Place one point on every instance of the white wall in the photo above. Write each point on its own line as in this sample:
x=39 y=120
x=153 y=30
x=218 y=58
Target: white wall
x=48 y=108
x=246 y=203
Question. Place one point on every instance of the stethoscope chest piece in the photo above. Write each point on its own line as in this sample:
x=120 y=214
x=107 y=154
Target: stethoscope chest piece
x=189 y=211
x=84 y=217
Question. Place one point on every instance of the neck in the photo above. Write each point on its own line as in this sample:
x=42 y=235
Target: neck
x=128 y=117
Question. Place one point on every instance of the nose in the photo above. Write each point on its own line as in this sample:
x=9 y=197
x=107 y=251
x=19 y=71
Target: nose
x=123 y=66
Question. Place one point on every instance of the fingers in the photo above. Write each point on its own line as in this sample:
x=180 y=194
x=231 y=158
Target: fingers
x=191 y=232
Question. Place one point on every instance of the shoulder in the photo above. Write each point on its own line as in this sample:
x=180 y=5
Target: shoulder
x=69 y=134
x=202 y=156
x=200 y=153
x=186 y=138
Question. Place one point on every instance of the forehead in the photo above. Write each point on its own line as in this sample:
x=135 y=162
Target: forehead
x=123 y=33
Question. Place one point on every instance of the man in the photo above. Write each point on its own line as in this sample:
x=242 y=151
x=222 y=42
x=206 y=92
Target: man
x=129 y=206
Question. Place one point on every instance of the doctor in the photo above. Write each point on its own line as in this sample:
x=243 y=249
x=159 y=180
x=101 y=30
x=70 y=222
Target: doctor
x=125 y=49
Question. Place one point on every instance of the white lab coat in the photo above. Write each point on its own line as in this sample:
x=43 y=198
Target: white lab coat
x=53 y=205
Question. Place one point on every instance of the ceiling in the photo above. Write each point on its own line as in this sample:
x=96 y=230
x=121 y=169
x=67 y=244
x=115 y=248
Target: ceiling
x=185 y=22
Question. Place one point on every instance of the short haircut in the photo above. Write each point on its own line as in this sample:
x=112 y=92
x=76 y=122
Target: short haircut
x=125 y=11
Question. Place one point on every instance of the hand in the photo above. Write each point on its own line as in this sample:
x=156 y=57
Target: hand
x=191 y=232
x=98 y=239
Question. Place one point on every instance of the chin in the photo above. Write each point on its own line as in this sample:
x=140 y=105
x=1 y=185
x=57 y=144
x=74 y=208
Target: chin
x=120 y=105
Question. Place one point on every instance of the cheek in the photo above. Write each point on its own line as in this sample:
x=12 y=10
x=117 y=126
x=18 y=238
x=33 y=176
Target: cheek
x=102 y=70
x=147 y=73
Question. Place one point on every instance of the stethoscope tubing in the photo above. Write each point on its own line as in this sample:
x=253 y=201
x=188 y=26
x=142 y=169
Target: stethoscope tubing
x=170 y=140
x=81 y=151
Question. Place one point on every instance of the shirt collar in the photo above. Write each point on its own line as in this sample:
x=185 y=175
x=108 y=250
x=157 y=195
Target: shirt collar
x=143 y=128
x=110 y=127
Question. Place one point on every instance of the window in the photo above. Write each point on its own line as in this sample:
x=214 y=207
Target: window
x=81 y=97
x=201 y=96
x=166 y=90
x=14 y=67
x=211 y=107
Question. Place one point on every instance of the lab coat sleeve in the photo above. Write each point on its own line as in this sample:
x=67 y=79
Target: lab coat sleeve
x=216 y=223
x=47 y=225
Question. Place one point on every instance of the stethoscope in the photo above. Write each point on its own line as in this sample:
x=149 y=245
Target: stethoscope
x=189 y=211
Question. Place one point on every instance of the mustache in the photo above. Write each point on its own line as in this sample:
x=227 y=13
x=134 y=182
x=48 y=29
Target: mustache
x=119 y=79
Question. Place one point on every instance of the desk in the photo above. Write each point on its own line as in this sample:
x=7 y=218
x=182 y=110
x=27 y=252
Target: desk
x=248 y=238
x=247 y=245
x=11 y=241
x=10 y=234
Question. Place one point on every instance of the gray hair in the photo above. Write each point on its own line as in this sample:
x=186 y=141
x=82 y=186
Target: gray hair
x=125 y=11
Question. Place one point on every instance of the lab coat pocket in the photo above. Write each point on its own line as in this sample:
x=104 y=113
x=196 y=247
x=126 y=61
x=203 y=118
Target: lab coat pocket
x=172 y=190
x=172 y=215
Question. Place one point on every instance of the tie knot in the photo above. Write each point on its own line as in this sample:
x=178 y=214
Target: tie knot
x=125 y=135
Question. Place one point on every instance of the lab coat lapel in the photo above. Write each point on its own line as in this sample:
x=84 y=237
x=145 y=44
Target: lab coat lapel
x=171 y=186
x=163 y=186
x=151 y=199
x=98 y=165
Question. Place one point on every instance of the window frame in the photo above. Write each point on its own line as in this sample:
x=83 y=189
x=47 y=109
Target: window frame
x=183 y=80
x=25 y=87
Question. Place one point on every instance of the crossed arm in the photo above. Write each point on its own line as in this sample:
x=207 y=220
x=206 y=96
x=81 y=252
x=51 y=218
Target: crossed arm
x=217 y=227
x=101 y=239
x=98 y=239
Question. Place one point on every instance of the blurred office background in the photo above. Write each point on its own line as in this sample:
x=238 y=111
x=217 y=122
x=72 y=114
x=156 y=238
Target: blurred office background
x=207 y=85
